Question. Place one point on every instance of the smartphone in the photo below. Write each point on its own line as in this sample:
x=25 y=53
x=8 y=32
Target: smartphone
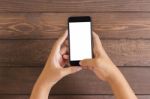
x=80 y=39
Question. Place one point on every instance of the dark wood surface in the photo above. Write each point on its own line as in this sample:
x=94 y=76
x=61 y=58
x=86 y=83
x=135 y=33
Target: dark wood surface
x=20 y=81
x=70 y=97
x=73 y=5
x=28 y=29
x=109 y=25
x=35 y=52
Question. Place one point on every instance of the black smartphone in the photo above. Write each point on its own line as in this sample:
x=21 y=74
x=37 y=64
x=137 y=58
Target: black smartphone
x=80 y=39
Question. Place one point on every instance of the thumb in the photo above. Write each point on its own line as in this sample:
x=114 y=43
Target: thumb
x=71 y=70
x=86 y=62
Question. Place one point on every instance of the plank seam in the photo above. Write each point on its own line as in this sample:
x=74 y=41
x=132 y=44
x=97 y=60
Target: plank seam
x=66 y=94
x=43 y=66
x=100 y=38
x=75 y=12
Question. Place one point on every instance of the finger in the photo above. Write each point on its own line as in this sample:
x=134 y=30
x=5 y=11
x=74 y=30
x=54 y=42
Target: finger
x=84 y=67
x=71 y=70
x=86 y=62
x=97 y=44
x=66 y=43
x=96 y=39
x=61 y=40
x=66 y=56
x=64 y=50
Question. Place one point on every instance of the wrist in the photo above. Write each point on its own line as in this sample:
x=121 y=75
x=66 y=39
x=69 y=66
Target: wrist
x=40 y=90
x=45 y=82
x=115 y=76
x=49 y=77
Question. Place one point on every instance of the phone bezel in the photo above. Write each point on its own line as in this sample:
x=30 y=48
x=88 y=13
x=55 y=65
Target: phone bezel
x=79 y=19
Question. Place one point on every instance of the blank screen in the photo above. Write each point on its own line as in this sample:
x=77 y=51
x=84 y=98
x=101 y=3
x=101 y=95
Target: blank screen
x=80 y=40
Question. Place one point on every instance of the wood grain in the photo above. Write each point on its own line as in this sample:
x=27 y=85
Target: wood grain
x=28 y=29
x=73 y=5
x=51 y=25
x=70 y=96
x=35 y=52
x=20 y=81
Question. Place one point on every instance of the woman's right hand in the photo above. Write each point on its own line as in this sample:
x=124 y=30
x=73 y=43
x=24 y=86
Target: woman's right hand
x=105 y=69
x=101 y=64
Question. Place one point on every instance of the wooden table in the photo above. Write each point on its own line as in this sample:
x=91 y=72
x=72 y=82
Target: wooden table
x=28 y=28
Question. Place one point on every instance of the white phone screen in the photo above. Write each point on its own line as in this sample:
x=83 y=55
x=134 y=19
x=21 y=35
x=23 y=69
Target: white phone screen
x=80 y=40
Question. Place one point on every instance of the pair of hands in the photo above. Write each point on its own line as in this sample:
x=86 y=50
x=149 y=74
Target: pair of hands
x=54 y=69
x=101 y=65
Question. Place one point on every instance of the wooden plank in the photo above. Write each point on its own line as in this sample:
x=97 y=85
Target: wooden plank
x=20 y=81
x=14 y=96
x=24 y=52
x=70 y=96
x=51 y=25
x=73 y=6
x=35 y=52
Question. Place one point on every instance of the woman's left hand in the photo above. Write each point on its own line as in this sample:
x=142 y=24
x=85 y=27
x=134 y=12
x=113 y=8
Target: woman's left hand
x=54 y=69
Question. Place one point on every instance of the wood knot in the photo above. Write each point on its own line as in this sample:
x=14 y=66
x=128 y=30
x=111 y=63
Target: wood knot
x=22 y=27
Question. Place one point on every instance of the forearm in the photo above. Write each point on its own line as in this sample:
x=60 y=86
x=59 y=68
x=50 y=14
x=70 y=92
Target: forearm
x=41 y=88
x=40 y=91
x=120 y=86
